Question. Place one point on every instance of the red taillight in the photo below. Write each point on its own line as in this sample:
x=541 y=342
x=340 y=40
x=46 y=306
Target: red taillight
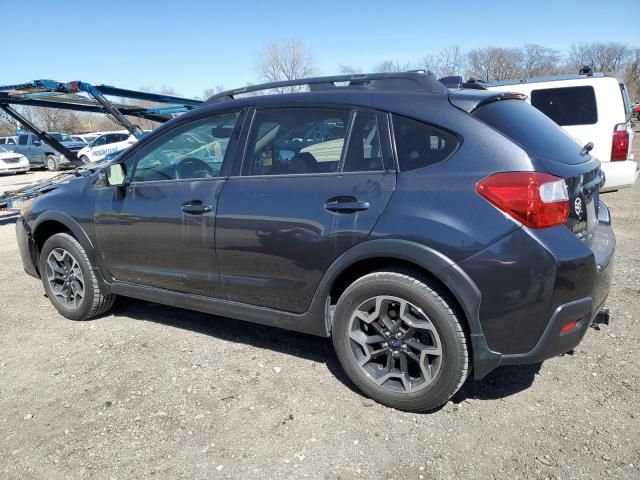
x=538 y=200
x=620 y=146
x=567 y=327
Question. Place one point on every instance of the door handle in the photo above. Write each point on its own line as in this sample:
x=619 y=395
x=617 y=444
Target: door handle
x=346 y=205
x=196 y=207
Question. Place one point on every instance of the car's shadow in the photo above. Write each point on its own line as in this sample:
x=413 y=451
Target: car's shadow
x=502 y=382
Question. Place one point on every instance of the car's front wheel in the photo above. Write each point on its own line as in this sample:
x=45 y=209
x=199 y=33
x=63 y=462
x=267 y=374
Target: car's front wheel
x=84 y=159
x=51 y=163
x=70 y=280
x=400 y=341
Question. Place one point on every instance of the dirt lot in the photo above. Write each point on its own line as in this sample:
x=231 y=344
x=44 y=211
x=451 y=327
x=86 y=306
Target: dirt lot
x=156 y=391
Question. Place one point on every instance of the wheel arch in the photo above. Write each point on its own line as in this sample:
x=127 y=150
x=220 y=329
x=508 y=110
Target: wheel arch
x=380 y=253
x=53 y=222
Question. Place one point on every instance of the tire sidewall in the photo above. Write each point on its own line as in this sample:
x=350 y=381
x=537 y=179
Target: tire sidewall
x=448 y=378
x=67 y=242
x=47 y=161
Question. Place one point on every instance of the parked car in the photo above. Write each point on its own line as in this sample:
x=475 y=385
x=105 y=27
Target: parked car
x=42 y=154
x=591 y=108
x=106 y=144
x=86 y=137
x=8 y=140
x=11 y=162
x=442 y=231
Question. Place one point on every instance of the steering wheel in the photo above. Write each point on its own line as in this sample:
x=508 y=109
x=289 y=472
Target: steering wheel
x=193 y=168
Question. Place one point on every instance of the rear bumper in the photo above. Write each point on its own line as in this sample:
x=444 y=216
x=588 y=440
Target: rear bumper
x=619 y=174
x=533 y=283
x=27 y=248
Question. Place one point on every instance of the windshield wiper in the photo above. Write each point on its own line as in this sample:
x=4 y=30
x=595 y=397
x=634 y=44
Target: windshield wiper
x=586 y=149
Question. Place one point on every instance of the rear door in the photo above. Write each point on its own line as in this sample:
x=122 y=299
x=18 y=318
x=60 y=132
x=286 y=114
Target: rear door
x=306 y=192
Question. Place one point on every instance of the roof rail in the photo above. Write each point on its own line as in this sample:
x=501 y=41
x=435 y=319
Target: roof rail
x=398 y=81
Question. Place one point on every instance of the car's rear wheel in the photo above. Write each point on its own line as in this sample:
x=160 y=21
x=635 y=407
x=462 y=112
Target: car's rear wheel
x=70 y=280
x=400 y=341
x=51 y=163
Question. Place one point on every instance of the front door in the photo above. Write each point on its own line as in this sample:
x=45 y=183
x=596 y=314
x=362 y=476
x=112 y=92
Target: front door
x=306 y=194
x=160 y=233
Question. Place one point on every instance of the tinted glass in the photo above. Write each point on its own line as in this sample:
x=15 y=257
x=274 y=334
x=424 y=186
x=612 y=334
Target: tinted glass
x=196 y=150
x=22 y=139
x=532 y=130
x=296 y=141
x=365 y=151
x=419 y=144
x=11 y=141
x=567 y=106
x=100 y=141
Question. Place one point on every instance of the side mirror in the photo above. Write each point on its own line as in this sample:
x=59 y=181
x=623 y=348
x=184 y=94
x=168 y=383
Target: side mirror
x=115 y=175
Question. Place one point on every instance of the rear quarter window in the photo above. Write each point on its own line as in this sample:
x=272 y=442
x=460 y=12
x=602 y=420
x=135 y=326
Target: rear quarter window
x=568 y=105
x=419 y=144
x=532 y=130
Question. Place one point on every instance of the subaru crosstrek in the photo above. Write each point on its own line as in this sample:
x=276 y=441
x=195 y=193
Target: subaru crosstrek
x=429 y=232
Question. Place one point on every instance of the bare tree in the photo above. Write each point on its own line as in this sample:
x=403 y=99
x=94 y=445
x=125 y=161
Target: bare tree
x=429 y=62
x=451 y=61
x=286 y=60
x=210 y=92
x=632 y=75
x=349 y=70
x=389 y=66
x=600 y=56
x=494 y=63
x=539 y=60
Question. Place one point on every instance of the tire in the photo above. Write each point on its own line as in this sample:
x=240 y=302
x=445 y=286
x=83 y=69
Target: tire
x=84 y=159
x=92 y=301
x=51 y=163
x=431 y=378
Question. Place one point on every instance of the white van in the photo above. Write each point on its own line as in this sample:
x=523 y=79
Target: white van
x=591 y=107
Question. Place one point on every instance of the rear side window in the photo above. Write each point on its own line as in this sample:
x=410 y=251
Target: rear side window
x=532 y=130
x=296 y=141
x=419 y=144
x=567 y=106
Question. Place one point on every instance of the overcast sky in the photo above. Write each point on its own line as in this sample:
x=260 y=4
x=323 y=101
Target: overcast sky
x=191 y=45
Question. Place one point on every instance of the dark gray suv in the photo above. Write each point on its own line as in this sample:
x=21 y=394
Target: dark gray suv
x=428 y=231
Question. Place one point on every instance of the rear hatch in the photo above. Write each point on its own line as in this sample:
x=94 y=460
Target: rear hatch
x=555 y=153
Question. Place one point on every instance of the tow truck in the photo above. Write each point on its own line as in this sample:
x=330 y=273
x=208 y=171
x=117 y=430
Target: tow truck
x=117 y=103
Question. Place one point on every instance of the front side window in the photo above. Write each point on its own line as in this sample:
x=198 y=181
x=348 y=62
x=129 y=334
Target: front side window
x=296 y=141
x=99 y=141
x=419 y=144
x=23 y=139
x=195 y=150
x=567 y=106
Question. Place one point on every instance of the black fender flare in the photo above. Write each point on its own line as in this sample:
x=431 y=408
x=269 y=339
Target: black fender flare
x=78 y=232
x=441 y=267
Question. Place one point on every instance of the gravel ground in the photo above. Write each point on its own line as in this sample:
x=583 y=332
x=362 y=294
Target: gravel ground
x=157 y=391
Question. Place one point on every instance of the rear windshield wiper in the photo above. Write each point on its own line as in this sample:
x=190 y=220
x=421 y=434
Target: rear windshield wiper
x=587 y=148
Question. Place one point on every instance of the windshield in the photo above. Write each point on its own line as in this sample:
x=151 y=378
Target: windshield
x=62 y=137
x=4 y=150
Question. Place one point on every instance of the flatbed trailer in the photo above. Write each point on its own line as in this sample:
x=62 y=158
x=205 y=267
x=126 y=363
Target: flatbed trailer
x=83 y=97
